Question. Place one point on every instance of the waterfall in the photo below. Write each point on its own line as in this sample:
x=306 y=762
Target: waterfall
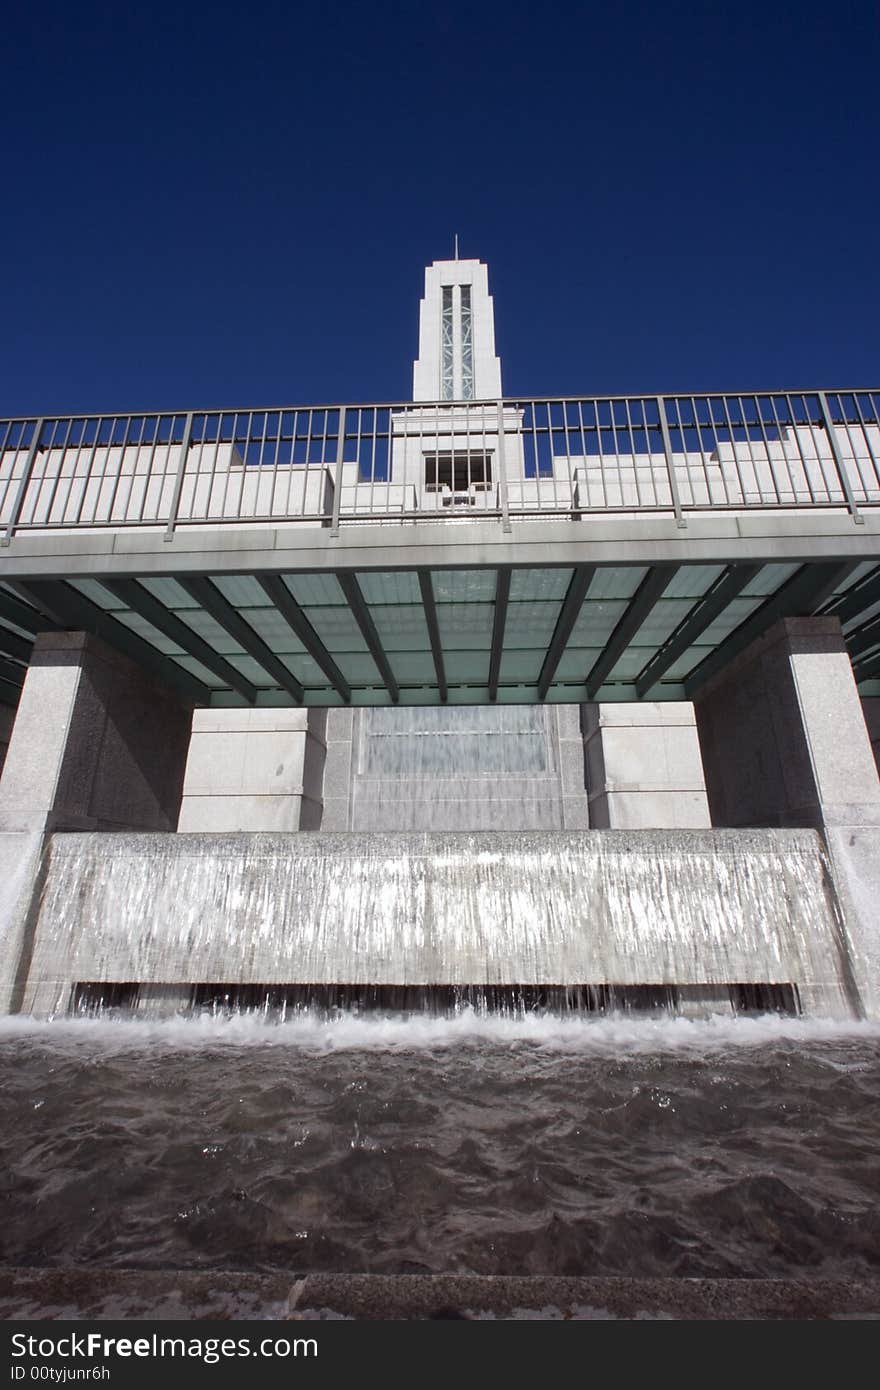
x=482 y=767
x=683 y=910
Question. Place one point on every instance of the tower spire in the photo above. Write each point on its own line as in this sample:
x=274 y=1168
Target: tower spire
x=456 y=245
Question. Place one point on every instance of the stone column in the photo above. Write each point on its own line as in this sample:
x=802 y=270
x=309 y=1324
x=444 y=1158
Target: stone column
x=98 y=744
x=255 y=769
x=643 y=767
x=784 y=743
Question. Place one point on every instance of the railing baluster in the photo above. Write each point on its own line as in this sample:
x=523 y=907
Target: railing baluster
x=838 y=461
x=502 y=471
x=337 y=481
x=24 y=482
x=178 y=481
x=680 y=519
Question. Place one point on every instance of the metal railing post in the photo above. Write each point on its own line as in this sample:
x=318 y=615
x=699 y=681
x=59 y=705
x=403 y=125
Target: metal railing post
x=680 y=519
x=502 y=471
x=838 y=461
x=337 y=476
x=23 y=485
x=178 y=481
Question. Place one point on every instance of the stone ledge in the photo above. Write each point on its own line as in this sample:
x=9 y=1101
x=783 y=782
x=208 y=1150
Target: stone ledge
x=185 y=1295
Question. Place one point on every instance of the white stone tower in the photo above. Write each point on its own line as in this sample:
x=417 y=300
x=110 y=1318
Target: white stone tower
x=446 y=446
x=456 y=360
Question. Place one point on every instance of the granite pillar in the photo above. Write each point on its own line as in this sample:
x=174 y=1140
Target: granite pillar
x=98 y=744
x=784 y=743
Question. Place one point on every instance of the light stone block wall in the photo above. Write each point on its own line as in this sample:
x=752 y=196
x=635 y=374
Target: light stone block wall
x=256 y=769
x=643 y=767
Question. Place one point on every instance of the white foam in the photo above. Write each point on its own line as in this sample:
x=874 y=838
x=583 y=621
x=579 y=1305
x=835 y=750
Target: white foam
x=386 y=1033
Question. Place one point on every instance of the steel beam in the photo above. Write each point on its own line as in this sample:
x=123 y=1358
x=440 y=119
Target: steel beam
x=856 y=600
x=864 y=639
x=12 y=610
x=806 y=591
x=210 y=598
x=869 y=672
x=652 y=587
x=274 y=588
x=568 y=616
x=11 y=644
x=499 y=622
x=868 y=668
x=70 y=609
x=141 y=601
x=364 y=619
x=727 y=587
x=12 y=674
x=430 y=607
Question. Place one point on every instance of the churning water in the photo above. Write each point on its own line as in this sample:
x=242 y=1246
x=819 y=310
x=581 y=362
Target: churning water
x=737 y=1147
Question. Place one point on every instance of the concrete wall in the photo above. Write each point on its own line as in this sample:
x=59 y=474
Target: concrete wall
x=643 y=766
x=257 y=769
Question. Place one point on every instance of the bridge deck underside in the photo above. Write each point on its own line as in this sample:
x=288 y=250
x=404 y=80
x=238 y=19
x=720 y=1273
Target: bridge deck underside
x=425 y=634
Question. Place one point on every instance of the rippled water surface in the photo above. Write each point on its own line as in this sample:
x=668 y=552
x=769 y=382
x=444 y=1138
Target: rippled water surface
x=745 y=1148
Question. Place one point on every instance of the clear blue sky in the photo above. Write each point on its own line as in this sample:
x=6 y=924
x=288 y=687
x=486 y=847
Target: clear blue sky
x=233 y=204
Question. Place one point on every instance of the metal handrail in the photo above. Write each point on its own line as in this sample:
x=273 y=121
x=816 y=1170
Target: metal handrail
x=518 y=457
x=182 y=411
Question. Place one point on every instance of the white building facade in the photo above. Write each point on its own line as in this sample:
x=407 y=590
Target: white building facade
x=485 y=768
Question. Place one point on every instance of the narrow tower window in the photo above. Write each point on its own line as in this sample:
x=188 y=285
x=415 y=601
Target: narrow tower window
x=467 y=346
x=447 y=384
